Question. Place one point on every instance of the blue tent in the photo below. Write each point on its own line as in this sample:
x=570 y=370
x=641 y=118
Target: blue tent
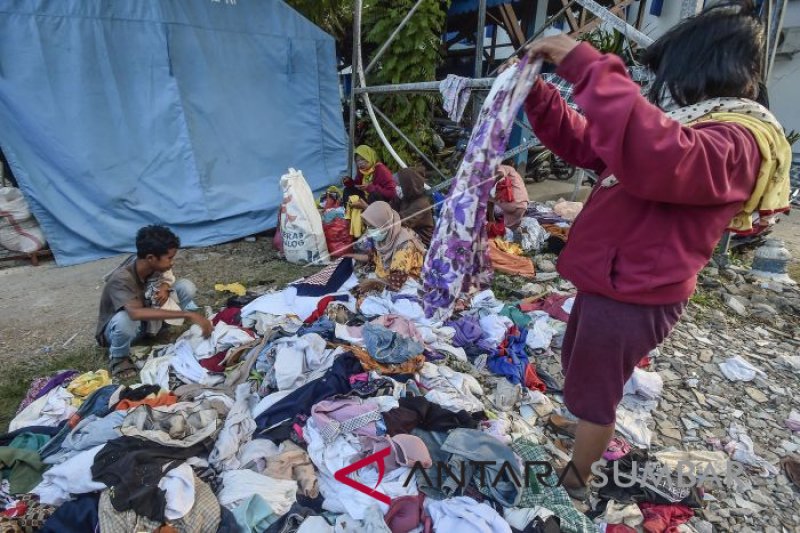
x=114 y=115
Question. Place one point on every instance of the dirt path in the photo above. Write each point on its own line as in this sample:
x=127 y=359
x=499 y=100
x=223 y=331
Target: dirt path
x=43 y=308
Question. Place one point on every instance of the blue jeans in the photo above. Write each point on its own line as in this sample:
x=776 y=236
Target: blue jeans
x=121 y=331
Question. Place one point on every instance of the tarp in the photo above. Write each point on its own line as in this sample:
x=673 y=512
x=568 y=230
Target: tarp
x=114 y=115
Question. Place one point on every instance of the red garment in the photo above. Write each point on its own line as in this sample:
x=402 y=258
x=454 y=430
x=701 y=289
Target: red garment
x=230 y=315
x=664 y=518
x=337 y=237
x=382 y=183
x=496 y=229
x=214 y=363
x=322 y=306
x=644 y=363
x=504 y=191
x=532 y=380
x=645 y=239
x=604 y=340
x=552 y=305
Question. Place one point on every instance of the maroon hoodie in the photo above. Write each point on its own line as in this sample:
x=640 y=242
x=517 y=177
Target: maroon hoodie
x=644 y=240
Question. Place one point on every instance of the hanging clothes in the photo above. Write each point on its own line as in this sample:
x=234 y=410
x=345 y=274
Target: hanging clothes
x=455 y=96
x=457 y=259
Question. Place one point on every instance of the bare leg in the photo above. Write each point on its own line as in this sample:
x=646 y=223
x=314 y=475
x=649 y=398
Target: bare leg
x=591 y=440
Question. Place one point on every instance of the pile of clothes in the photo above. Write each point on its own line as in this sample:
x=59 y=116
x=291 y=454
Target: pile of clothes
x=327 y=406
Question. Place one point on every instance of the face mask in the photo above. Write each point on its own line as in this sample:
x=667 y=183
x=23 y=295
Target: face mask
x=376 y=235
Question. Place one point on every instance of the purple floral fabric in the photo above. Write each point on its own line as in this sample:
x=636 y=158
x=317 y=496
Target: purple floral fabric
x=458 y=256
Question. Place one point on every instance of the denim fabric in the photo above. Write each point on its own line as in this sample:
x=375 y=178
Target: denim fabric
x=95 y=404
x=388 y=347
x=186 y=290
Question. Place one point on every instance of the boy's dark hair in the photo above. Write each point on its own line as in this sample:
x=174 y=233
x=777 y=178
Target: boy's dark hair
x=156 y=240
x=718 y=53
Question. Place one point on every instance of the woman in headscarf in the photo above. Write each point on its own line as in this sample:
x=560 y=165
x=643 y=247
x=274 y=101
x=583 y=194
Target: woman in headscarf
x=398 y=253
x=510 y=196
x=374 y=181
x=413 y=205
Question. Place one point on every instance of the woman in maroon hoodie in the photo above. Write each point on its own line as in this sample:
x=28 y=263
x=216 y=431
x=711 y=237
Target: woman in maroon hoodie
x=666 y=193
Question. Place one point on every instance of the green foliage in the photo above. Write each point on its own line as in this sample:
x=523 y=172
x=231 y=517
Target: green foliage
x=609 y=42
x=413 y=56
x=333 y=16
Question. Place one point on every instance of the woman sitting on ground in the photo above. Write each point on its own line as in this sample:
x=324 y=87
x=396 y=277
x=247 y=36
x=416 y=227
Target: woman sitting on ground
x=511 y=196
x=398 y=253
x=414 y=206
x=374 y=181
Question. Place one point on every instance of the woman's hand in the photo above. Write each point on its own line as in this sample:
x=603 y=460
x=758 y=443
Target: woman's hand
x=552 y=49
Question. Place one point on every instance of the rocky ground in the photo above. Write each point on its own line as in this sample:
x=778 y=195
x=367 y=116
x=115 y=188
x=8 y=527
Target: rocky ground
x=761 y=323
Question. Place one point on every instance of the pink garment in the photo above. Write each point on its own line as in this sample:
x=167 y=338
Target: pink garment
x=352 y=416
x=405 y=450
x=644 y=240
x=552 y=305
x=407 y=513
x=400 y=326
x=664 y=518
x=617 y=448
x=567 y=210
x=513 y=212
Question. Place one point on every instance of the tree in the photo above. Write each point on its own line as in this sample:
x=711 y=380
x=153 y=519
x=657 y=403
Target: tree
x=413 y=56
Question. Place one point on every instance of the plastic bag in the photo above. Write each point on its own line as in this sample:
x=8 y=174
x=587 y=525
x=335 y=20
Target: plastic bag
x=19 y=231
x=736 y=368
x=337 y=237
x=301 y=224
x=533 y=235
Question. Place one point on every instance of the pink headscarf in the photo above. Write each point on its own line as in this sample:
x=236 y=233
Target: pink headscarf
x=381 y=216
x=514 y=211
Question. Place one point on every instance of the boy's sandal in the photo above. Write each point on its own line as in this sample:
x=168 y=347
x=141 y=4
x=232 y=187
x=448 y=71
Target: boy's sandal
x=123 y=368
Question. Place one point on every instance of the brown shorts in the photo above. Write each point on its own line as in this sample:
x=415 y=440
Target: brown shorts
x=604 y=341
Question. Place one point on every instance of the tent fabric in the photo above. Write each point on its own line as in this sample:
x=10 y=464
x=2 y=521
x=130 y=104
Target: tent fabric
x=114 y=115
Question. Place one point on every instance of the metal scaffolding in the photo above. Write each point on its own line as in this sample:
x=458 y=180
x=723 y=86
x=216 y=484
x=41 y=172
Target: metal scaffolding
x=359 y=87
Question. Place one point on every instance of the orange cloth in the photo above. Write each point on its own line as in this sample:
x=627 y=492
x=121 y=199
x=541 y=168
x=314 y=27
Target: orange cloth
x=411 y=366
x=510 y=264
x=161 y=400
x=532 y=379
x=556 y=231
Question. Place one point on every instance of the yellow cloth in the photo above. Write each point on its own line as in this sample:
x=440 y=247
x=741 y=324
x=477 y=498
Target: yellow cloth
x=371 y=157
x=85 y=384
x=508 y=247
x=353 y=214
x=407 y=259
x=236 y=288
x=771 y=192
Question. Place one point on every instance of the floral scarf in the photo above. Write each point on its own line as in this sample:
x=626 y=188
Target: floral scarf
x=457 y=259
